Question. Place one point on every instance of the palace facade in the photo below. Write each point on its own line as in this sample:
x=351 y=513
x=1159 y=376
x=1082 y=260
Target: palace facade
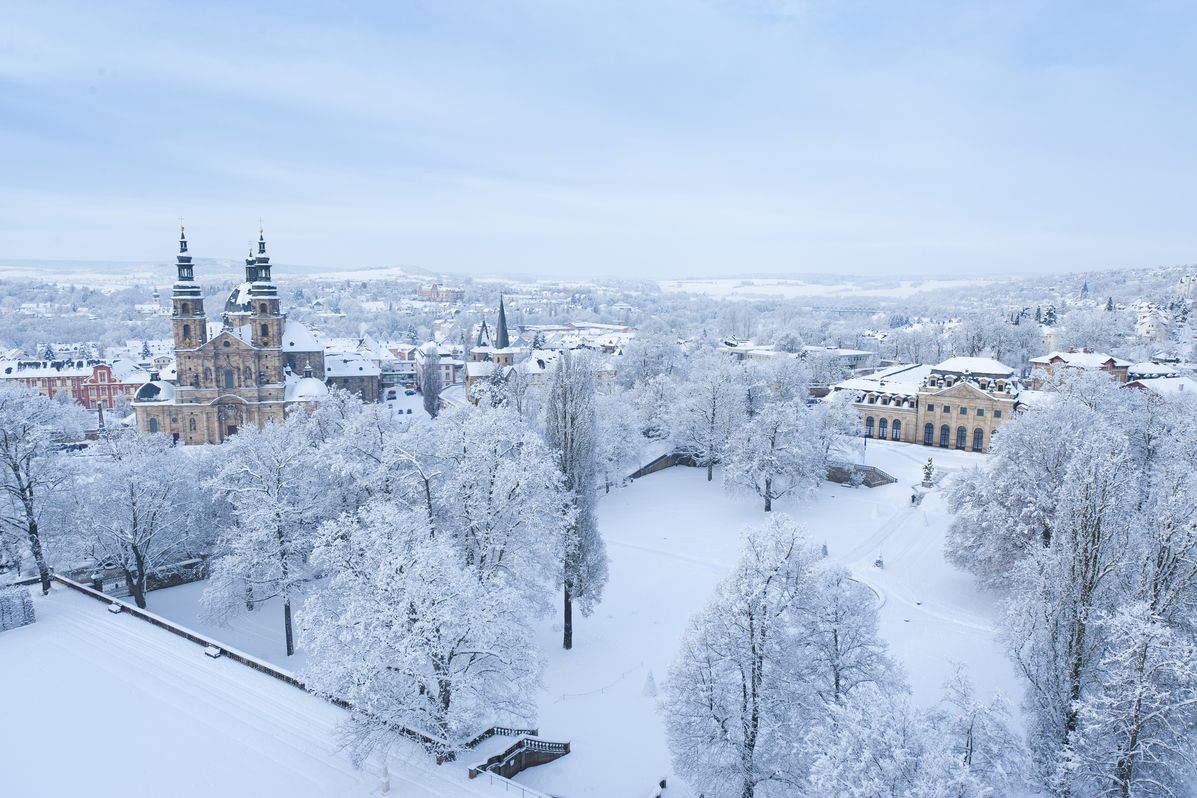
x=957 y=404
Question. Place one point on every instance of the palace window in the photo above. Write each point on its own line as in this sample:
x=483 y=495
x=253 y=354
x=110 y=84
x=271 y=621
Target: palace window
x=997 y=413
x=961 y=437
x=980 y=411
x=896 y=430
x=964 y=411
x=947 y=408
x=930 y=408
x=978 y=440
x=882 y=428
x=928 y=434
x=869 y=427
x=229 y=378
x=945 y=434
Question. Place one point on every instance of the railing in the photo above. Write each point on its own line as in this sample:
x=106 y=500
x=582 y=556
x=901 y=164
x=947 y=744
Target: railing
x=523 y=754
x=512 y=788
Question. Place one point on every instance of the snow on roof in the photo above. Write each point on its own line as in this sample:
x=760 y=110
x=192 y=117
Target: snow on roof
x=974 y=365
x=480 y=368
x=125 y=370
x=901 y=380
x=12 y=369
x=1168 y=386
x=298 y=337
x=349 y=365
x=1081 y=360
x=1148 y=369
x=304 y=389
x=158 y=392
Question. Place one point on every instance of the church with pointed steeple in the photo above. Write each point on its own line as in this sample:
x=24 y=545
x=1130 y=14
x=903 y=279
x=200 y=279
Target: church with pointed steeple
x=236 y=377
x=491 y=354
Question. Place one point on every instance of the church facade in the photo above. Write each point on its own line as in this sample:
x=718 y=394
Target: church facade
x=231 y=378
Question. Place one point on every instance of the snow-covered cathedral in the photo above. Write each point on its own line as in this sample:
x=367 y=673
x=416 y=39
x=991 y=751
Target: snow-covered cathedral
x=243 y=370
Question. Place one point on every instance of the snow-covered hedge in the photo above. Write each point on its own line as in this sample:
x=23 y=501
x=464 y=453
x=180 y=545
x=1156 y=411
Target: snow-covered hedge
x=16 y=608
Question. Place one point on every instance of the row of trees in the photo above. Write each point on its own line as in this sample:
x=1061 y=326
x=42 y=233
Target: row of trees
x=1088 y=519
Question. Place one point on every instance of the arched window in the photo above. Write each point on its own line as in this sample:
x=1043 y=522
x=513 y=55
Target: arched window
x=185 y=309
x=186 y=332
x=928 y=434
x=869 y=427
x=945 y=435
x=882 y=428
x=896 y=433
x=265 y=330
x=153 y=425
x=229 y=377
x=961 y=437
x=978 y=440
x=263 y=310
x=191 y=425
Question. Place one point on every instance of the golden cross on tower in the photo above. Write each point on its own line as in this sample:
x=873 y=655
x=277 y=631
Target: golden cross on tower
x=180 y=224
x=259 y=225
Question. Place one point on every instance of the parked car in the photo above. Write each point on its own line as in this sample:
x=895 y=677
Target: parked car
x=392 y=394
x=409 y=392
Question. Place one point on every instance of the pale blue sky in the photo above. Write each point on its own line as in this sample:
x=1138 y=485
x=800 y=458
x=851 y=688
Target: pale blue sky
x=612 y=138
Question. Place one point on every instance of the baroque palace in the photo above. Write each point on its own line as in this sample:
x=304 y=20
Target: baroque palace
x=239 y=373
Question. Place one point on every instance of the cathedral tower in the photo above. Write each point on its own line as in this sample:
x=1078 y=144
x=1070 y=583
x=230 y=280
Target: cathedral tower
x=266 y=315
x=188 y=321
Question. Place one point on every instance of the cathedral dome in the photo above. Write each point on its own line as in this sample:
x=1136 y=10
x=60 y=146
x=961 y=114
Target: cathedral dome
x=239 y=301
x=306 y=389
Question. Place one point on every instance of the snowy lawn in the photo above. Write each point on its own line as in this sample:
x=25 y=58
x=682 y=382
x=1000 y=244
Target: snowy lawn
x=109 y=705
x=671 y=536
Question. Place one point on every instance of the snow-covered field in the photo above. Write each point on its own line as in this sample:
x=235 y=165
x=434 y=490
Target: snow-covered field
x=671 y=536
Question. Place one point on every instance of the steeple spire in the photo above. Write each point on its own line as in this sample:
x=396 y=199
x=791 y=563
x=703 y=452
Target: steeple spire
x=501 y=339
x=262 y=260
x=251 y=266
x=183 y=259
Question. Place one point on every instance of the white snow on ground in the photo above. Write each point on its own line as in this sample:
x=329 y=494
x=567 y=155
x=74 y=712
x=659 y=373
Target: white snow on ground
x=671 y=536
x=110 y=705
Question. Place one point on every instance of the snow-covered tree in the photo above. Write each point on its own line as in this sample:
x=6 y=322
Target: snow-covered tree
x=412 y=639
x=618 y=435
x=1135 y=731
x=731 y=698
x=571 y=430
x=775 y=453
x=133 y=506
x=430 y=381
x=502 y=500
x=879 y=744
x=710 y=409
x=33 y=470
x=269 y=478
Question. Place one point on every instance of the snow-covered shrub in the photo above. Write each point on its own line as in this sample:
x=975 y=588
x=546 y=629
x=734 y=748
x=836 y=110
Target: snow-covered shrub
x=16 y=608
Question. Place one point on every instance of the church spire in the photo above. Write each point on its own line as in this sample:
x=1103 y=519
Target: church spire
x=501 y=339
x=262 y=260
x=251 y=266
x=183 y=259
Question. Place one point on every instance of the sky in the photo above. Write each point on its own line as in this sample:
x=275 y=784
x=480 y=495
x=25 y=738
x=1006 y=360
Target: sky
x=630 y=139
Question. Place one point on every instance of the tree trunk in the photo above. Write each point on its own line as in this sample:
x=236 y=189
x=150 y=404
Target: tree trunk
x=768 y=494
x=568 y=638
x=39 y=556
x=287 y=624
x=710 y=470
x=136 y=589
